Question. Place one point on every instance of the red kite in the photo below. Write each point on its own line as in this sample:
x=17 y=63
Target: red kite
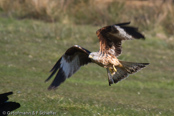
x=110 y=38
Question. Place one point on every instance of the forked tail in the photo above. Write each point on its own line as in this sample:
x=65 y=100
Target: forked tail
x=132 y=67
x=122 y=72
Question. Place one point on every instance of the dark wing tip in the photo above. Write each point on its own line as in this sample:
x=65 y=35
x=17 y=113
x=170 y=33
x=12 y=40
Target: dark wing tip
x=48 y=78
x=122 y=24
x=139 y=35
x=56 y=66
x=60 y=78
x=51 y=75
x=52 y=88
x=143 y=65
x=133 y=31
x=146 y=63
x=54 y=69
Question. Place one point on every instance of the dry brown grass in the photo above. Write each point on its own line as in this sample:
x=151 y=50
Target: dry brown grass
x=147 y=14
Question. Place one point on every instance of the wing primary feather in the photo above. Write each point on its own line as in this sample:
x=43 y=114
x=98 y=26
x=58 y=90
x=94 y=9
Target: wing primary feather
x=133 y=32
x=54 y=69
x=122 y=24
x=51 y=75
x=56 y=66
x=60 y=77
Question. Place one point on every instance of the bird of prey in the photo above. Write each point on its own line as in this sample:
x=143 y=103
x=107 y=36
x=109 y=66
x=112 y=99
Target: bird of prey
x=110 y=38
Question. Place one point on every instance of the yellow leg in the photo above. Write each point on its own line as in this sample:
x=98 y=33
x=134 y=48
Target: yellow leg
x=114 y=68
x=112 y=71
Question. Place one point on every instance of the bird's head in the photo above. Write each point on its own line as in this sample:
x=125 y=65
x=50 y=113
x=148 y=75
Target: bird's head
x=94 y=56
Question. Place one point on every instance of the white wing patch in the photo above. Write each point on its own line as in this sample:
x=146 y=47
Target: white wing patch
x=71 y=67
x=112 y=50
x=123 y=33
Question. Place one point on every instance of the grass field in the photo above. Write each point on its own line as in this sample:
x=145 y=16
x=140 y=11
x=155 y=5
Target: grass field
x=29 y=49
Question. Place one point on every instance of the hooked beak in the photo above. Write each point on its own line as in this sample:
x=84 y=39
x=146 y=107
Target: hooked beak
x=90 y=56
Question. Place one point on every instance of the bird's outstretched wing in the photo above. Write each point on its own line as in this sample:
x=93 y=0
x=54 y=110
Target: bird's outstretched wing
x=110 y=37
x=68 y=64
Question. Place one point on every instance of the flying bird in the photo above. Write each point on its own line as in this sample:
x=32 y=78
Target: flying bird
x=110 y=38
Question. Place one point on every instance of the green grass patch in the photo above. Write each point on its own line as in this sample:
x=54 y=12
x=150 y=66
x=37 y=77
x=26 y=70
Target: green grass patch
x=29 y=49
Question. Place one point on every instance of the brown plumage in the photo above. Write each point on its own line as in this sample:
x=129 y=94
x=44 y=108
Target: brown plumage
x=110 y=38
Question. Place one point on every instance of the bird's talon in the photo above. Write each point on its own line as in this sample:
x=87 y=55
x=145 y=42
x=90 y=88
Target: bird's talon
x=112 y=71
x=114 y=68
